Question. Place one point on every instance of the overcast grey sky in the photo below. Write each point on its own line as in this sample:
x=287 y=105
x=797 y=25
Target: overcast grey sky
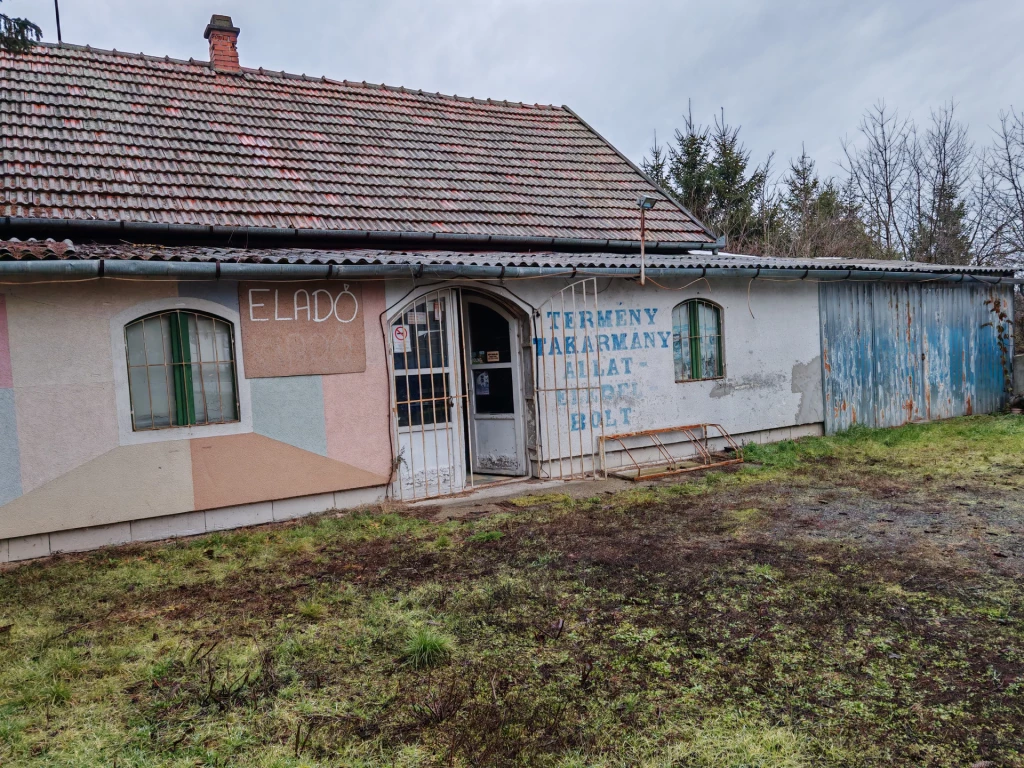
x=788 y=71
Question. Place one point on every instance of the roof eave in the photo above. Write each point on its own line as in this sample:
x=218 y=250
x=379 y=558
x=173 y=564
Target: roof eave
x=256 y=237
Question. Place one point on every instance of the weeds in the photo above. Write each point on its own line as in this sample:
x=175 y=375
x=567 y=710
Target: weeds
x=484 y=536
x=426 y=648
x=312 y=610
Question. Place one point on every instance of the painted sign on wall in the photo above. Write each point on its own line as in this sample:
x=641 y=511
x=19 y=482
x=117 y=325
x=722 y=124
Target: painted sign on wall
x=302 y=329
x=603 y=346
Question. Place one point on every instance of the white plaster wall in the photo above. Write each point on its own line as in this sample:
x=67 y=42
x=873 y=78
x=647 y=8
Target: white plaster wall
x=772 y=355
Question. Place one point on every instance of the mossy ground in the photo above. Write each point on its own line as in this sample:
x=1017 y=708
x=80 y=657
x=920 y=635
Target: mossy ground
x=849 y=601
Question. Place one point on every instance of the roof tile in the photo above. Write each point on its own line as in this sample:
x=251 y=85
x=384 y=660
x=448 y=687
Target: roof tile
x=111 y=136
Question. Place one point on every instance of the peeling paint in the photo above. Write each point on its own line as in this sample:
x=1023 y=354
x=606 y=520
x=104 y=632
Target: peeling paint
x=755 y=381
x=897 y=352
x=499 y=462
x=806 y=382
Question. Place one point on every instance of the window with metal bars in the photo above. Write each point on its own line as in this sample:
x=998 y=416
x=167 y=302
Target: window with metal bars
x=697 y=340
x=423 y=392
x=181 y=370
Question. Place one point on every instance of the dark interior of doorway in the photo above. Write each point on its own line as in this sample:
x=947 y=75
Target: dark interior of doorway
x=485 y=330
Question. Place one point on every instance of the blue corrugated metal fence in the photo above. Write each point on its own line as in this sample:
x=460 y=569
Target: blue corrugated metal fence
x=899 y=352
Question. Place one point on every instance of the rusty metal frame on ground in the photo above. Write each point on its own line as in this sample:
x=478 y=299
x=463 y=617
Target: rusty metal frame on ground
x=695 y=436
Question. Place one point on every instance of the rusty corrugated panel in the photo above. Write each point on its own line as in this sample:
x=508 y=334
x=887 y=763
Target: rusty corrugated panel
x=894 y=353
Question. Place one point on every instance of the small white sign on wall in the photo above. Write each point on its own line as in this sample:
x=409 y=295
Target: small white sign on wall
x=400 y=339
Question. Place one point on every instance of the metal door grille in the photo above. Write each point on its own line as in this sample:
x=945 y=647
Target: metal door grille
x=427 y=400
x=567 y=375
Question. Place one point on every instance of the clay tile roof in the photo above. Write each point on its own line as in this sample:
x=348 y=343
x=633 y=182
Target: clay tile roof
x=98 y=135
x=36 y=249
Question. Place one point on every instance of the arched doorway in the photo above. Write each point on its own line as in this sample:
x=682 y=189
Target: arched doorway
x=458 y=392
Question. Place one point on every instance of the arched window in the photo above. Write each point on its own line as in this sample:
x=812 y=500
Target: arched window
x=181 y=370
x=697 y=340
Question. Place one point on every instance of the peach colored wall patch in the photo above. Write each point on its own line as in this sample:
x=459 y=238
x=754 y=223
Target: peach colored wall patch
x=356 y=405
x=241 y=469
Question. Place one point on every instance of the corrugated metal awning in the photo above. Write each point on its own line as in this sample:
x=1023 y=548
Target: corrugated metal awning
x=50 y=249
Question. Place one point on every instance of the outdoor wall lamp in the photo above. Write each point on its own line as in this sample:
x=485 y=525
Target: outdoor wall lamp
x=646 y=203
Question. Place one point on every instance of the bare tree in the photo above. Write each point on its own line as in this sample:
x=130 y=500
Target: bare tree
x=1005 y=163
x=880 y=167
x=942 y=165
x=986 y=225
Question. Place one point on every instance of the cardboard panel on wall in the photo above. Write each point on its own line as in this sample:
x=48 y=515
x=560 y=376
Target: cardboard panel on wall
x=302 y=329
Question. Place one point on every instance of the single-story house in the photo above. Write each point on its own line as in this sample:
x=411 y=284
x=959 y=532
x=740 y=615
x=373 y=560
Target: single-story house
x=230 y=296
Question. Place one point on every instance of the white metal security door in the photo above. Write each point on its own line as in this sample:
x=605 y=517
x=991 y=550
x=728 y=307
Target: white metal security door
x=427 y=403
x=567 y=371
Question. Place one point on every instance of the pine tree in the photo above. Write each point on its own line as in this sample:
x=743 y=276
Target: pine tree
x=800 y=202
x=820 y=217
x=17 y=35
x=656 y=166
x=707 y=169
x=734 y=194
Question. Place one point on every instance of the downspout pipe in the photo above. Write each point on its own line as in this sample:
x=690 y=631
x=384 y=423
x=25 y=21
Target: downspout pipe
x=207 y=270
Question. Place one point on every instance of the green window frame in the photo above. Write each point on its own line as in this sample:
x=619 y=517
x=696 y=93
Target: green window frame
x=181 y=370
x=697 y=341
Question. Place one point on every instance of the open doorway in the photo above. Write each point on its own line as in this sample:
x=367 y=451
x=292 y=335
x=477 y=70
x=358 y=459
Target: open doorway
x=458 y=393
x=494 y=381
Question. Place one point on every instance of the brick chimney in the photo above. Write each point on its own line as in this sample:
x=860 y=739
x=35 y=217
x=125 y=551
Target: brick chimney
x=223 y=39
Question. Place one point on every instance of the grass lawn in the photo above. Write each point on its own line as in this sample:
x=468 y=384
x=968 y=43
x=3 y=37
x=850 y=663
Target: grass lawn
x=851 y=601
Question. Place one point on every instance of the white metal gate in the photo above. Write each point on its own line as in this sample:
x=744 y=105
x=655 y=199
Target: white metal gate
x=567 y=373
x=427 y=399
